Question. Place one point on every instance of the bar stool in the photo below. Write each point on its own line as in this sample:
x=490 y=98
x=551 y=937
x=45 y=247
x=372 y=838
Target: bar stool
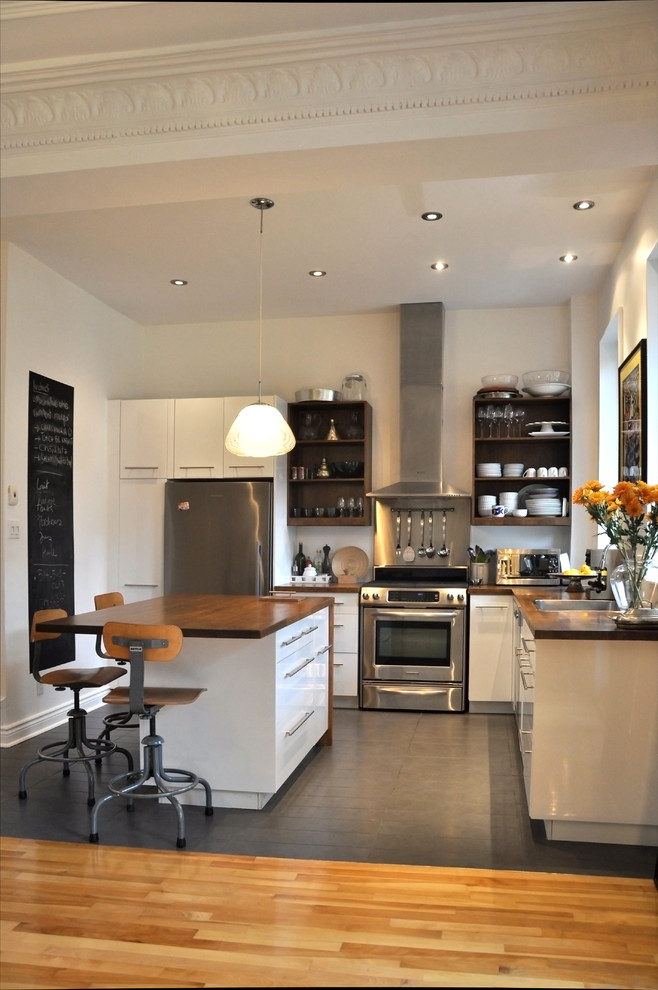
x=117 y=720
x=138 y=643
x=77 y=747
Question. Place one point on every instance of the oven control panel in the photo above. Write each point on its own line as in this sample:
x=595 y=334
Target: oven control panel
x=414 y=596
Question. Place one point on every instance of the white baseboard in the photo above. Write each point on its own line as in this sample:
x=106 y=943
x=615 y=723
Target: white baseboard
x=34 y=725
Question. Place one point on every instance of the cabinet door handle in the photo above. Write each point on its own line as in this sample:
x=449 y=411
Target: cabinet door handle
x=305 y=717
x=197 y=467
x=141 y=467
x=526 y=685
x=304 y=663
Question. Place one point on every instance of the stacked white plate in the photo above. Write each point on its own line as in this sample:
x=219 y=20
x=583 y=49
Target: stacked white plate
x=485 y=504
x=488 y=470
x=509 y=499
x=512 y=470
x=544 y=506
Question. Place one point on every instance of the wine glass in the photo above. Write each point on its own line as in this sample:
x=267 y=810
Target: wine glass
x=481 y=417
x=508 y=417
x=340 y=505
x=519 y=416
x=349 y=507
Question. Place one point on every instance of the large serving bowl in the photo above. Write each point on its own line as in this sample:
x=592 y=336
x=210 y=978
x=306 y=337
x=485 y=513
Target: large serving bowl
x=533 y=378
x=500 y=381
x=547 y=388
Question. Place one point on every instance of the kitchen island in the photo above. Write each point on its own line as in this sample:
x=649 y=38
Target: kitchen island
x=266 y=665
x=586 y=704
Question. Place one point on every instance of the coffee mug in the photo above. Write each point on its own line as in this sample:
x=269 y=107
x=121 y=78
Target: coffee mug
x=552 y=472
x=529 y=473
x=498 y=510
x=542 y=472
x=563 y=472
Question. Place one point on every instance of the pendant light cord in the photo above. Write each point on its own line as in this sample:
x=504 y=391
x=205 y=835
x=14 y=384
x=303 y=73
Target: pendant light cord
x=261 y=203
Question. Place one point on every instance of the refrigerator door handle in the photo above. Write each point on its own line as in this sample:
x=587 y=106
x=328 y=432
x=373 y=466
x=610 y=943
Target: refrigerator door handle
x=259 y=568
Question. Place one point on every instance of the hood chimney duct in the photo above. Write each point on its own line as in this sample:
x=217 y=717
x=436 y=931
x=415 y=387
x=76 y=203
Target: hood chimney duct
x=421 y=404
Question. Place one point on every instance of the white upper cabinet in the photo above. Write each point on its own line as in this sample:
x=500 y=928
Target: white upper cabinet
x=146 y=448
x=248 y=467
x=199 y=438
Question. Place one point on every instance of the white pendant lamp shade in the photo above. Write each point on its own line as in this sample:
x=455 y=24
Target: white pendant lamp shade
x=259 y=430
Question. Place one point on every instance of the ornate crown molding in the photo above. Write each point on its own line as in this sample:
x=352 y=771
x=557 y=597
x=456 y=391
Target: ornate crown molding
x=207 y=91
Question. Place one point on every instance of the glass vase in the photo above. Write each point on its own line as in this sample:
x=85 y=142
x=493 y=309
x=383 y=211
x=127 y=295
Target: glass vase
x=634 y=582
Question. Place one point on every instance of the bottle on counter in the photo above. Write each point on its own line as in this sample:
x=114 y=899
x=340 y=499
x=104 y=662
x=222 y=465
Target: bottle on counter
x=317 y=561
x=299 y=563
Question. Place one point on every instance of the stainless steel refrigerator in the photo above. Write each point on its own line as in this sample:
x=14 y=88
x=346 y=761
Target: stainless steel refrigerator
x=218 y=537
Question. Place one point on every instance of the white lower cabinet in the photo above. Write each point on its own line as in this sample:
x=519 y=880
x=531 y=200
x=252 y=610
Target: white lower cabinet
x=141 y=527
x=490 y=654
x=346 y=650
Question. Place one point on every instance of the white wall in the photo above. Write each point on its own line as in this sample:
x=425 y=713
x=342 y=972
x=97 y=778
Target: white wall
x=53 y=328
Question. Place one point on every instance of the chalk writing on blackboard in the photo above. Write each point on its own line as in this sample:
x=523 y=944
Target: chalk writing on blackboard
x=50 y=506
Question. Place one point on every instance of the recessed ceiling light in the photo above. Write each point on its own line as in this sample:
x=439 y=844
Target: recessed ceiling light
x=569 y=258
x=431 y=215
x=317 y=274
x=439 y=266
x=178 y=281
x=584 y=204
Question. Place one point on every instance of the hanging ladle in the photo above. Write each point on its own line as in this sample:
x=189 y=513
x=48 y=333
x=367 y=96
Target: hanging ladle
x=409 y=554
x=444 y=552
x=431 y=549
x=421 y=549
x=398 y=548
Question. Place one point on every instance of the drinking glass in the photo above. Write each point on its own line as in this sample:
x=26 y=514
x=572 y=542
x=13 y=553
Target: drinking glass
x=349 y=507
x=340 y=505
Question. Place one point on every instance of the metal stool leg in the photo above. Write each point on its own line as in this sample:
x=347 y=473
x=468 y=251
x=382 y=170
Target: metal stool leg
x=128 y=785
x=77 y=742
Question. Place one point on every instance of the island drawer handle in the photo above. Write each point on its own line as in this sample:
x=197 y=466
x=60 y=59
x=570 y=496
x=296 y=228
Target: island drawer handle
x=293 y=639
x=325 y=649
x=311 y=629
x=304 y=663
x=305 y=717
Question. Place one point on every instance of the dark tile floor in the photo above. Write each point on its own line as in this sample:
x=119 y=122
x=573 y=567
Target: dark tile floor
x=395 y=787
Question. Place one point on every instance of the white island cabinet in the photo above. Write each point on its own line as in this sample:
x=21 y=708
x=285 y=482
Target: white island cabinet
x=266 y=705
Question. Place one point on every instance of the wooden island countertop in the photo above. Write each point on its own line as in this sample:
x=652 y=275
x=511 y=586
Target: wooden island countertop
x=201 y=616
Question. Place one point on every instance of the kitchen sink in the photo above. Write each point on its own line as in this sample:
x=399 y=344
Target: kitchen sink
x=572 y=605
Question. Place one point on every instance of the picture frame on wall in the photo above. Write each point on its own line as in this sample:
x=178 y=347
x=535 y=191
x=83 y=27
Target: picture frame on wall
x=633 y=415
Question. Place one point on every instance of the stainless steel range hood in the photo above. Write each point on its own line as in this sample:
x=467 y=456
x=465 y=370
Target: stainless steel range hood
x=421 y=406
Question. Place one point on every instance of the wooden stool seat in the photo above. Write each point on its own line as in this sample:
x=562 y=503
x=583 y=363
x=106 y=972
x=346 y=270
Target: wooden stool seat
x=77 y=748
x=137 y=644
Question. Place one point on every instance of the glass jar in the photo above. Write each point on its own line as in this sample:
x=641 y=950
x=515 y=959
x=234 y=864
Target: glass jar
x=354 y=387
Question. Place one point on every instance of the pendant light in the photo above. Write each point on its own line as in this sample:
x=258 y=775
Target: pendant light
x=259 y=430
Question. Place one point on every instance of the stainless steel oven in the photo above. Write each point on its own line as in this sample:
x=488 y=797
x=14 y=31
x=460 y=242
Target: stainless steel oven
x=412 y=639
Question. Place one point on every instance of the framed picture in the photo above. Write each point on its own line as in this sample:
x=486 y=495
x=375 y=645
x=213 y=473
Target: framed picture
x=633 y=415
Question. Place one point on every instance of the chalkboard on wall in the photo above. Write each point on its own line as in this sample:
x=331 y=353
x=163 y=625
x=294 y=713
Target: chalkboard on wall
x=50 y=507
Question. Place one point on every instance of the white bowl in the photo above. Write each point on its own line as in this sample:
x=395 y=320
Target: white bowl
x=532 y=378
x=520 y=513
x=547 y=388
x=509 y=381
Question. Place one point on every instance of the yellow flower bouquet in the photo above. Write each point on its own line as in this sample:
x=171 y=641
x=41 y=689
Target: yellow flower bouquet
x=628 y=515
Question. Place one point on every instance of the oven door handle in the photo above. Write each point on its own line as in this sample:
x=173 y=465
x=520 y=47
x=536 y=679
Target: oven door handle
x=406 y=613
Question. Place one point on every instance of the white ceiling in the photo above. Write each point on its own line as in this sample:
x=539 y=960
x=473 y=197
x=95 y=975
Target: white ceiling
x=123 y=220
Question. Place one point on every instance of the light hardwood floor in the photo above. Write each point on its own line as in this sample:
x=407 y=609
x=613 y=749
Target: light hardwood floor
x=77 y=916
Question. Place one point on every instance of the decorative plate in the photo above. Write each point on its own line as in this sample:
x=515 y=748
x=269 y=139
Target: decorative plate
x=352 y=561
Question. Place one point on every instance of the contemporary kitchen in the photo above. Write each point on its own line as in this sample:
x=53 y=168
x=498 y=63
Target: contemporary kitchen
x=409 y=548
